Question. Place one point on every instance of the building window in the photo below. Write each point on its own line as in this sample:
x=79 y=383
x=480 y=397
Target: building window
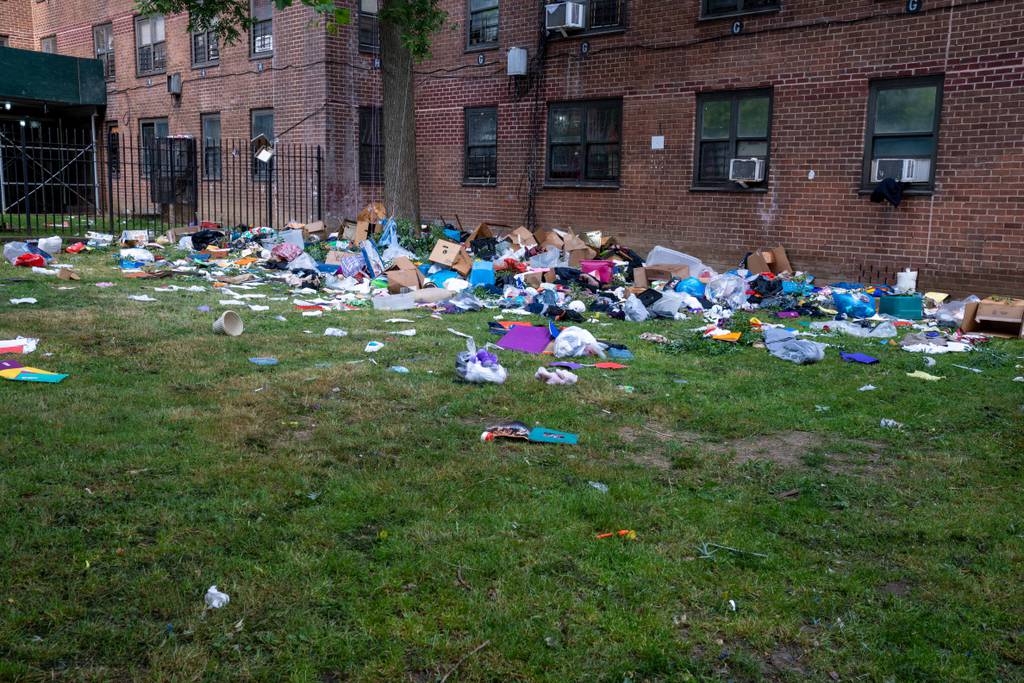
x=483 y=23
x=103 y=45
x=48 y=44
x=902 y=131
x=481 y=165
x=727 y=8
x=730 y=125
x=369 y=29
x=371 y=145
x=205 y=48
x=605 y=14
x=262 y=27
x=584 y=142
x=211 y=146
x=114 y=149
x=151 y=50
x=261 y=123
x=150 y=132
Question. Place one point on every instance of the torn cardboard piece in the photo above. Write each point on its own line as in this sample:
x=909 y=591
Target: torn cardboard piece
x=643 y=277
x=769 y=260
x=403 y=274
x=995 y=317
x=453 y=256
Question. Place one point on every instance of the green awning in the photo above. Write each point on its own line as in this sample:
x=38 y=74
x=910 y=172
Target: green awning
x=43 y=77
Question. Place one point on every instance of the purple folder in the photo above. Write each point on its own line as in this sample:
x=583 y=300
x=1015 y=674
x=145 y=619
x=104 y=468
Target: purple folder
x=526 y=339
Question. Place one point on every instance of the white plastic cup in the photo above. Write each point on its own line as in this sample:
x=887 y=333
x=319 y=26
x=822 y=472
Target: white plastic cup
x=230 y=323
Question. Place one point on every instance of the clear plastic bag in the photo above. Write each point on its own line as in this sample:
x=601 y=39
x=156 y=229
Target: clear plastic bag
x=575 y=341
x=951 y=313
x=730 y=290
x=635 y=310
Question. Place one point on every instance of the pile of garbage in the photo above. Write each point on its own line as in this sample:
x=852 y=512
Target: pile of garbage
x=558 y=274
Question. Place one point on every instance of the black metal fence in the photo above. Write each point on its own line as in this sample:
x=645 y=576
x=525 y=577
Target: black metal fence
x=65 y=182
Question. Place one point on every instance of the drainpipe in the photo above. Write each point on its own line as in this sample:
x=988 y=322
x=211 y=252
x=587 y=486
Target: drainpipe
x=95 y=167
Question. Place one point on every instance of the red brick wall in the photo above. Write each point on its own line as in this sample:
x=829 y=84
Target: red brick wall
x=16 y=24
x=819 y=58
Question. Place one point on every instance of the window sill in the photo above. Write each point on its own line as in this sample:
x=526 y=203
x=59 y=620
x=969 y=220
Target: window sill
x=572 y=185
x=150 y=74
x=588 y=33
x=369 y=49
x=480 y=48
x=723 y=188
x=256 y=56
x=209 y=65
x=912 y=192
x=735 y=15
x=479 y=183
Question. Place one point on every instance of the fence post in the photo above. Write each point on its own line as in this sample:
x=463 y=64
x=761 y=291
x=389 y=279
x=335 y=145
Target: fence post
x=24 y=176
x=110 y=181
x=319 y=185
x=270 y=192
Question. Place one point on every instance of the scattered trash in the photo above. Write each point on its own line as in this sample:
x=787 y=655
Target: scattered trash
x=784 y=344
x=21 y=345
x=400 y=369
x=890 y=424
x=141 y=297
x=929 y=362
x=229 y=323
x=603 y=488
x=868 y=387
x=479 y=366
x=25 y=300
x=335 y=332
x=964 y=367
x=556 y=376
x=15 y=371
x=373 y=347
x=215 y=599
x=625 y=534
x=858 y=358
x=920 y=374
x=268 y=361
x=518 y=430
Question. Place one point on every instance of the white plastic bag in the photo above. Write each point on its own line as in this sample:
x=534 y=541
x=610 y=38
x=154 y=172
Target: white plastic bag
x=215 y=599
x=663 y=256
x=479 y=366
x=137 y=255
x=635 y=310
x=303 y=261
x=12 y=250
x=575 y=341
x=730 y=290
x=51 y=245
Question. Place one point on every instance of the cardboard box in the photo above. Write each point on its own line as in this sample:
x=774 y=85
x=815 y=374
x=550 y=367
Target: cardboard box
x=316 y=228
x=174 y=235
x=550 y=238
x=482 y=231
x=521 y=237
x=403 y=273
x=995 y=317
x=452 y=255
x=772 y=260
x=643 y=277
x=577 y=250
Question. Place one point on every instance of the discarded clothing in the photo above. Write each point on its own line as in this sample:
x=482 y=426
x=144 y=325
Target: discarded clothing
x=784 y=344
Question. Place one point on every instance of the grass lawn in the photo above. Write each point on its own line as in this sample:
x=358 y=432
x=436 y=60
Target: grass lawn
x=364 y=532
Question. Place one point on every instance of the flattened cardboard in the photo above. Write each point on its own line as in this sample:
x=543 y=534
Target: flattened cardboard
x=482 y=231
x=996 y=318
x=769 y=260
x=643 y=277
x=452 y=255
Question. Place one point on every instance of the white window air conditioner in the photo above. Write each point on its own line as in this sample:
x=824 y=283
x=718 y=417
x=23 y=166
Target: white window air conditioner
x=564 y=16
x=902 y=170
x=746 y=170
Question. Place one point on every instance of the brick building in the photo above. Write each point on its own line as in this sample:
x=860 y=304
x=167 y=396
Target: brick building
x=628 y=124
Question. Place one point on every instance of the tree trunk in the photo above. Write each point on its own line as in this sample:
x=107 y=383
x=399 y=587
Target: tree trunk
x=401 y=181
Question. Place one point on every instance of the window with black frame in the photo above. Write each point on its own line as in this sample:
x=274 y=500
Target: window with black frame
x=150 y=133
x=103 y=47
x=483 y=23
x=261 y=123
x=731 y=125
x=603 y=14
x=369 y=27
x=211 y=146
x=585 y=143
x=481 y=163
x=262 y=32
x=205 y=48
x=150 y=44
x=371 y=145
x=902 y=132
x=728 y=8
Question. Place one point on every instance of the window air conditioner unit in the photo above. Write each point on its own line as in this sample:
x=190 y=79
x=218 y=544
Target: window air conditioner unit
x=746 y=170
x=174 y=84
x=564 y=16
x=902 y=170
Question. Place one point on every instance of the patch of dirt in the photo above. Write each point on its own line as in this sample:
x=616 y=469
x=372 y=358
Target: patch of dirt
x=658 y=433
x=784 y=659
x=784 y=448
